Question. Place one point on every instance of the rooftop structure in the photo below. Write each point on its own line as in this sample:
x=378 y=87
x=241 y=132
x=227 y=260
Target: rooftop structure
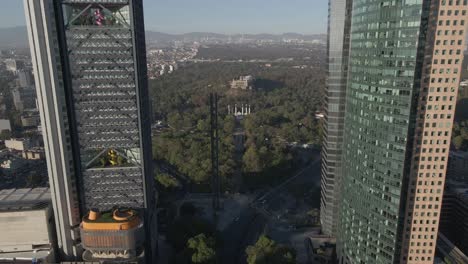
x=36 y=153
x=27 y=230
x=30 y=119
x=24 y=199
x=119 y=231
x=5 y=125
x=18 y=144
x=447 y=251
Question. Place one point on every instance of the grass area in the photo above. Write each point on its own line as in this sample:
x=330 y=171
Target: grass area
x=106 y=218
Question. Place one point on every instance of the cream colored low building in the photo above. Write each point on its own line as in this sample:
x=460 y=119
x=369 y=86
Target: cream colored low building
x=19 y=144
x=34 y=154
x=26 y=225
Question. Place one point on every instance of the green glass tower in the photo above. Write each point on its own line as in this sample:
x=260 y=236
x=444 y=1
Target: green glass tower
x=392 y=182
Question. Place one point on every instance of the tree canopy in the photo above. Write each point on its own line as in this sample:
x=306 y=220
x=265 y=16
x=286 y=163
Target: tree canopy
x=267 y=251
x=203 y=248
x=460 y=135
x=283 y=107
x=167 y=181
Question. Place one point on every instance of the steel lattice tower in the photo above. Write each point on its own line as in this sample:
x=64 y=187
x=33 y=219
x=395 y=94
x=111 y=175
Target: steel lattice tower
x=215 y=180
x=90 y=59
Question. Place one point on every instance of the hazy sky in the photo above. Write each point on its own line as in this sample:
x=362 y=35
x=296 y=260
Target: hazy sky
x=222 y=16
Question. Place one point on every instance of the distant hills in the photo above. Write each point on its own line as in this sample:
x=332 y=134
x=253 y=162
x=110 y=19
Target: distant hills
x=17 y=37
x=159 y=37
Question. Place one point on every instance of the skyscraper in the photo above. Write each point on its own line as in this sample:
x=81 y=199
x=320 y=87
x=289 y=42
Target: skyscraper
x=89 y=60
x=404 y=71
x=339 y=23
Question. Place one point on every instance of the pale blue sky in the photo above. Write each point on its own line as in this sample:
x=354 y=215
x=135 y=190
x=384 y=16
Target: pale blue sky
x=221 y=16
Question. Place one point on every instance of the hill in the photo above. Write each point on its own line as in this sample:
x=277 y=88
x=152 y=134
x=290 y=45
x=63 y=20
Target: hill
x=17 y=37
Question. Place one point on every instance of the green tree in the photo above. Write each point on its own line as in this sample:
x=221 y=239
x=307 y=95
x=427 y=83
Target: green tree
x=175 y=120
x=266 y=251
x=203 y=125
x=5 y=134
x=289 y=98
x=229 y=124
x=464 y=131
x=103 y=161
x=167 y=181
x=185 y=227
x=251 y=160
x=203 y=248
x=121 y=160
x=458 y=142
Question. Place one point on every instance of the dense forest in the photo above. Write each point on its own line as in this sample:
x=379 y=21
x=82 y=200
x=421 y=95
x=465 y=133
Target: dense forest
x=308 y=53
x=283 y=106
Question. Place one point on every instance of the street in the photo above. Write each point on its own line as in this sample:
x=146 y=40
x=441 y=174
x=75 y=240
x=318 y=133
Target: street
x=258 y=219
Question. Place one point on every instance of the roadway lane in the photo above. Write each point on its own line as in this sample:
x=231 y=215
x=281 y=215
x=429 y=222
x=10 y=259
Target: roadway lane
x=234 y=236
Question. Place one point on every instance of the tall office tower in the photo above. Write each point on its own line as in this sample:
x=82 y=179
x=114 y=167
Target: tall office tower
x=90 y=67
x=339 y=23
x=404 y=71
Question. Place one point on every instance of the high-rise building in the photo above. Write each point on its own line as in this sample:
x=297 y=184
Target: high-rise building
x=25 y=79
x=90 y=71
x=24 y=98
x=404 y=70
x=14 y=65
x=339 y=23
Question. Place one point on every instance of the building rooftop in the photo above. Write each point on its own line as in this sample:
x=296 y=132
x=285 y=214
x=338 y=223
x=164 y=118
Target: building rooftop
x=449 y=251
x=24 y=199
x=24 y=256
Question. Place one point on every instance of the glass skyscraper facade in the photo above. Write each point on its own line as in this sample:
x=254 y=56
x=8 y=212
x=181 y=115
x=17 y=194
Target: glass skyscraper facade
x=339 y=23
x=390 y=199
